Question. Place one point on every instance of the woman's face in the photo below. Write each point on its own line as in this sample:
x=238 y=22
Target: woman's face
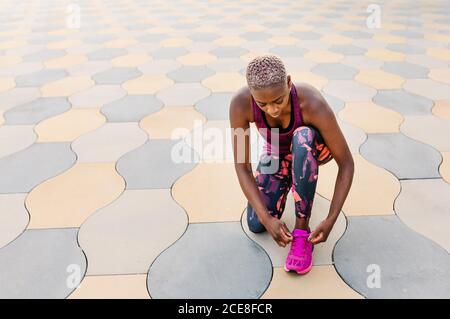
x=274 y=100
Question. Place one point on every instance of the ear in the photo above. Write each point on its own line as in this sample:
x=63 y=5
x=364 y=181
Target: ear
x=289 y=82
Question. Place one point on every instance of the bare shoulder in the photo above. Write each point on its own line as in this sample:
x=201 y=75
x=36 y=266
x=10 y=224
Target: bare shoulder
x=240 y=110
x=312 y=101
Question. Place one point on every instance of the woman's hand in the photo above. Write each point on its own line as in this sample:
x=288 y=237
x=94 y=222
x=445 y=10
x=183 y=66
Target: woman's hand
x=278 y=230
x=320 y=234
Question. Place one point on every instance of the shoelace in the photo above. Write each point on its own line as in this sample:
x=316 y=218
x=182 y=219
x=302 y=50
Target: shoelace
x=296 y=242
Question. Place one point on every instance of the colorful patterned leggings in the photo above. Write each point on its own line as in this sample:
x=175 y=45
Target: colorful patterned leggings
x=297 y=171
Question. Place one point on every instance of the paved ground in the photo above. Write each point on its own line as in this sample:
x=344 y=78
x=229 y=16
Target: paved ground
x=90 y=190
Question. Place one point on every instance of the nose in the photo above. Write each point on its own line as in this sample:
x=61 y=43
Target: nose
x=273 y=111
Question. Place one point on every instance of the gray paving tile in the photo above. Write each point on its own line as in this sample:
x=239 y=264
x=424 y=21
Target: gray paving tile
x=256 y=36
x=185 y=26
x=116 y=75
x=203 y=265
x=404 y=157
x=46 y=39
x=43 y=55
x=152 y=37
x=335 y=103
x=335 y=71
x=358 y=34
x=310 y=35
x=216 y=106
x=154 y=165
x=36 y=111
x=40 y=78
x=406 y=69
x=131 y=108
x=347 y=49
x=229 y=52
x=403 y=102
x=190 y=73
x=408 y=34
x=410 y=266
x=99 y=38
x=168 y=53
x=25 y=169
x=203 y=36
x=288 y=50
x=406 y=48
x=106 y=54
x=43 y=264
x=430 y=198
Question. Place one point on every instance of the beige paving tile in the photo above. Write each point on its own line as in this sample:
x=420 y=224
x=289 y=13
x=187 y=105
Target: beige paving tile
x=225 y=82
x=61 y=45
x=322 y=282
x=388 y=38
x=428 y=129
x=6 y=83
x=97 y=96
x=439 y=53
x=424 y=206
x=65 y=61
x=204 y=191
x=89 y=68
x=196 y=58
x=354 y=136
x=147 y=84
x=373 y=190
x=322 y=254
x=323 y=56
x=311 y=78
x=96 y=146
x=229 y=40
x=69 y=198
x=5 y=45
x=440 y=75
x=283 y=40
x=385 y=54
x=444 y=168
x=371 y=117
x=349 y=90
x=131 y=60
x=379 y=79
x=13 y=217
x=437 y=37
x=176 y=42
x=67 y=86
x=336 y=39
x=69 y=125
x=7 y=60
x=183 y=94
x=126 y=236
x=171 y=120
x=112 y=287
x=14 y=138
x=120 y=43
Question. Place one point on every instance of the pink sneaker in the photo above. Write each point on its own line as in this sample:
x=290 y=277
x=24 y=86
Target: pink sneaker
x=299 y=258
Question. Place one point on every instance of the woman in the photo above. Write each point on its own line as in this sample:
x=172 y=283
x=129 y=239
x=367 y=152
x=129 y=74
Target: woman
x=301 y=133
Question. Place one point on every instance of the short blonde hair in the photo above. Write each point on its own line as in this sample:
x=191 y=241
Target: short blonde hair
x=265 y=71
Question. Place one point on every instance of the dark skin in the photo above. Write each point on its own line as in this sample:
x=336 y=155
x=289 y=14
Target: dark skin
x=275 y=102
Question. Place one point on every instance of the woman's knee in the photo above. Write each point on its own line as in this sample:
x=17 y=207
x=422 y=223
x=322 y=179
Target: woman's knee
x=304 y=136
x=254 y=225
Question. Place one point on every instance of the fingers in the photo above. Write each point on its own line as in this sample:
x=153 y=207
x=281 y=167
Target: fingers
x=317 y=238
x=286 y=230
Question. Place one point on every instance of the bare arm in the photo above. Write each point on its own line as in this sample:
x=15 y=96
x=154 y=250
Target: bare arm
x=321 y=116
x=241 y=148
